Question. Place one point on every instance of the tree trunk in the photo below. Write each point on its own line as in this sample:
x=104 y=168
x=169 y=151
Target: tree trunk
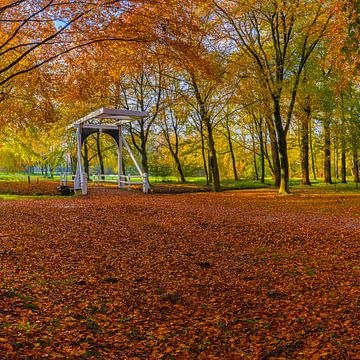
x=284 y=161
x=327 y=152
x=254 y=157
x=175 y=156
x=232 y=152
x=356 y=163
x=284 y=165
x=343 y=165
x=180 y=170
x=313 y=155
x=211 y=180
x=203 y=153
x=304 y=147
x=262 y=156
x=274 y=154
x=144 y=158
x=86 y=158
x=213 y=163
x=343 y=152
x=336 y=158
x=99 y=154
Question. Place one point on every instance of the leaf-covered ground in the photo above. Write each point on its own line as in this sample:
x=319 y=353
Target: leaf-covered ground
x=235 y=275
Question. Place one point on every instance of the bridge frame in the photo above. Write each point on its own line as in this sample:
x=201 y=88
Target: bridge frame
x=111 y=122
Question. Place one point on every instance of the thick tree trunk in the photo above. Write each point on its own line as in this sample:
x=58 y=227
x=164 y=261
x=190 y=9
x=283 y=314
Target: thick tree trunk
x=203 y=154
x=259 y=129
x=284 y=161
x=144 y=158
x=327 y=152
x=233 y=160
x=99 y=154
x=211 y=180
x=262 y=156
x=274 y=154
x=313 y=155
x=143 y=152
x=213 y=163
x=254 y=157
x=86 y=158
x=284 y=165
x=304 y=146
x=343 y=166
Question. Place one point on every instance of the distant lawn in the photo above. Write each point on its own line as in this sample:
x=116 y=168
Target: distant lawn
x=192 y=183
x=11 y=197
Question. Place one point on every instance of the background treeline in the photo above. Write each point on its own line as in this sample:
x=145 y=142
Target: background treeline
x=233 y=89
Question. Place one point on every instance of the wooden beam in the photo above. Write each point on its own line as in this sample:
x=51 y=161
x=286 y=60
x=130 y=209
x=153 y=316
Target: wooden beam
x=107 y=113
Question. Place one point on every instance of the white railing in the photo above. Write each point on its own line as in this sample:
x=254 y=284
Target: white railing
x=65 y=178
x=121 y=180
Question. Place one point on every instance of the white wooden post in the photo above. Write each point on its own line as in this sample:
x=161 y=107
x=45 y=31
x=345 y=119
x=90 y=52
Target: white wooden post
x=120 y=159
x=79 y=172
x=61 y=182
x=146 y=186
x=84 y=183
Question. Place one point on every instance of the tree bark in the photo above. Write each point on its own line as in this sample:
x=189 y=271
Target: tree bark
x=99 y=154
x=262 y=156
x=313 y=155
x=203 y=153
x=232 y=152
x=175 y=155
x=343 y=146
x=327 y=152
x=254 y=156
x=144 y=158
x=284 y=165
x=216 y=185
x=284 y=161
x=304 y=146
x=259 y=130
x=86 y=158
x=205 y=117
x=356 y=163
x=274 y=154
x=180 y=170
x=343 y=165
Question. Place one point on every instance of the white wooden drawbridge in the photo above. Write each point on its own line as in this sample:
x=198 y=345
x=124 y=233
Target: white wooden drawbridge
x=108 y=121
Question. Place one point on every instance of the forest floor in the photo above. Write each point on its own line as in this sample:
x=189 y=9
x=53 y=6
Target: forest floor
x=234 y=275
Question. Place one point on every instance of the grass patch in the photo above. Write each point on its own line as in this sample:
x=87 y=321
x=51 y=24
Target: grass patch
x=12 y=197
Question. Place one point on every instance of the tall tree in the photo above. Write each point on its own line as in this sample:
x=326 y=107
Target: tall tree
x=279 y=37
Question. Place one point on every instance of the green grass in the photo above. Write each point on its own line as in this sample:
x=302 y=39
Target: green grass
x=227 y=184
x=320 y=186
x=11 y=197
